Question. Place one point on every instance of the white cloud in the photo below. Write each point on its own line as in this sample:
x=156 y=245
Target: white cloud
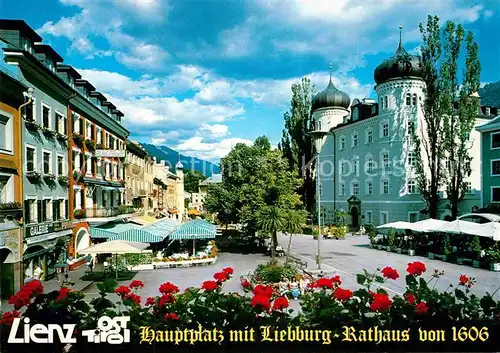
x=212 y=151
x=214 y=130
x=106 y=20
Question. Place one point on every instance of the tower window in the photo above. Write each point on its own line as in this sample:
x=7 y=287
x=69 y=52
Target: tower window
x=386 y=102
x=414 y=100
x=408 y=99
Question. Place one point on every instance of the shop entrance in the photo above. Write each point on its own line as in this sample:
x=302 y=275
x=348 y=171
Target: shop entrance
x=6 y=273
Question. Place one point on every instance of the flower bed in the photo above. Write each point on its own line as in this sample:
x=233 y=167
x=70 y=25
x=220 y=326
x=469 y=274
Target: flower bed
x=338 y=311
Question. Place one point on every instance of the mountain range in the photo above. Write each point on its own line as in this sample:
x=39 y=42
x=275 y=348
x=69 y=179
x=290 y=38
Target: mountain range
x=490 y=94
x=171 y=157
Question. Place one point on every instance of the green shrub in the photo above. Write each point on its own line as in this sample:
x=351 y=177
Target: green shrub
x=338 y=232
x=269 y=273
x=475 y=247
x=391 y=237
x=136 y=259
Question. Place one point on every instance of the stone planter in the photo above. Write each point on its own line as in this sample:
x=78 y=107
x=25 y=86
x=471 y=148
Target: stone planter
x=430 y=256
x=411 y=252
x=398 y=250
x=495 y=266
x=475 y=263
x=141 y=267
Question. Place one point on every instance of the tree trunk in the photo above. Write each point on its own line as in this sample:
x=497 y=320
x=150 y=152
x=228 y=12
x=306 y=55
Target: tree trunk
x=288 y=249
x=274 y=243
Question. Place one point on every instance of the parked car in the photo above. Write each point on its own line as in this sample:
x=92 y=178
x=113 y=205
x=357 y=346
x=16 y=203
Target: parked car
x=480 y=218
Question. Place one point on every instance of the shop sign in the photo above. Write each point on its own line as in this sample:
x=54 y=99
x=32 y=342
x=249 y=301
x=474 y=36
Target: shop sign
x=110 y=153
x=45 y=228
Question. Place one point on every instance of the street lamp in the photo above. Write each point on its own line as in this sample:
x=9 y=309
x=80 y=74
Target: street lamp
x=319 y=138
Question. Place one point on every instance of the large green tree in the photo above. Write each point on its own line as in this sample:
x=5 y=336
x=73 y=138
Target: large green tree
x=460 y=109
x=191 y=180
x=296 y=144
x=259 y=183
x=443 y=134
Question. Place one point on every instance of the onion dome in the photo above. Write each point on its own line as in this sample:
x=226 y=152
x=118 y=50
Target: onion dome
x=400 y=65
x=331 y=97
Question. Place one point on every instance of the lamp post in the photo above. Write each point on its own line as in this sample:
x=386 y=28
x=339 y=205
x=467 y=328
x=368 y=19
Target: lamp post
x=319 y=139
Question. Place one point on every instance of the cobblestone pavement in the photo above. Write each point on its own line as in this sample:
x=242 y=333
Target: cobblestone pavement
x=351 y=255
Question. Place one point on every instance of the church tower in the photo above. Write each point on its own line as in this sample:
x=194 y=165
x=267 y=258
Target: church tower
x=179 y=188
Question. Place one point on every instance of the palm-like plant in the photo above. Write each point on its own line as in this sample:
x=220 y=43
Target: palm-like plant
x=270 y=220
x=292 y=224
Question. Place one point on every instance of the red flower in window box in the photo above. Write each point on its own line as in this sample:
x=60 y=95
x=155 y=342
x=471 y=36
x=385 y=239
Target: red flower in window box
x=342 y=294
x=168 y=287
x=381 y=302
x=209 y=286
x=280 y=303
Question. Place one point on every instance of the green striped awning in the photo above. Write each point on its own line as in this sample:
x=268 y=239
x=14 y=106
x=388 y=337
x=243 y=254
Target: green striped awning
x=194 y=230
x=137 y=235
x=101 y=233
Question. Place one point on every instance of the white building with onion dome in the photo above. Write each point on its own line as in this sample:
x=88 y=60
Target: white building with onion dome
x=366 y=161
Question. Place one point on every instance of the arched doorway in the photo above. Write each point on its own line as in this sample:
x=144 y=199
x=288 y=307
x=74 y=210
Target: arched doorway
x=355 y=216
x=6 y=273
x=82 y=240
x=34 y=255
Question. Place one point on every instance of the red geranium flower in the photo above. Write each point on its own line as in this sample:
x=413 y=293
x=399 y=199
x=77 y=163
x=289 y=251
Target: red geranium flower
x=63 y=293
x=220 y=277
x=336 y=280
x=228 y=271
x=8 y=318
x=246 y=284
x=381 y=302
x=463 y=280
x=263 y=290
x=390 y=273
x=324 y=283
x=34 y=287
x=168 y=287
x=421 y=308
x=133 y=297
x=416 y=268
x=136 y=284
x=280 y=303
x=261 y=302
x=166 y=298
x=171 y=316
x=122 y=291
x=209 y=285
x=150 y=301
x=410 y=298
x=342 y=294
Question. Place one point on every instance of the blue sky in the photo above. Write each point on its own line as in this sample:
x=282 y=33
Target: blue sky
x=201 y=76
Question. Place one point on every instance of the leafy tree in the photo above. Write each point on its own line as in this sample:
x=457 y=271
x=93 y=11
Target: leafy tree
x=460 y=110
x=192 y=179
x=221 y=201
x=296 y=144
x=260 y=186
x=448 y=113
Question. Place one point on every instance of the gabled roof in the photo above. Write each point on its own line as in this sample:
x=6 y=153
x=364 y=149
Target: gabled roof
x=22 y=27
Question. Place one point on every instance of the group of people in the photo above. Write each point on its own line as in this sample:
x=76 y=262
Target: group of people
x=293 y=287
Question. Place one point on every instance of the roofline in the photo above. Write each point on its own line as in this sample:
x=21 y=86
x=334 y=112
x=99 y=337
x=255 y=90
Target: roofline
x=47 y=49
x=21 y=26
x=69 y=69
x=84 y=83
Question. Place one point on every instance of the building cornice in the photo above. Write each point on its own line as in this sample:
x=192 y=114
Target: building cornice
x=50 y=79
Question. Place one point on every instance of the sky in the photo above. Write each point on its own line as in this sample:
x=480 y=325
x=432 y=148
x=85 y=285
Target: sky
x=202 y=75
